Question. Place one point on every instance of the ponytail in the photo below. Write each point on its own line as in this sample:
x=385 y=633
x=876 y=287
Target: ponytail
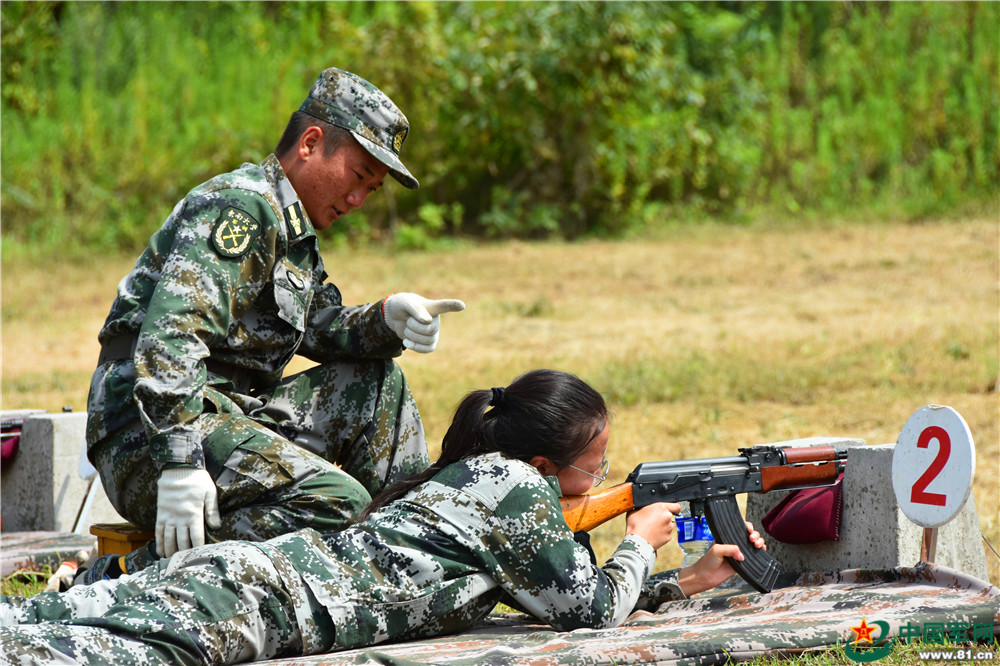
x=541 y=413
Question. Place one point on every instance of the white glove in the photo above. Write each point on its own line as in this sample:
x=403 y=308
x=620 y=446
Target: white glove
x=62 y=579
x=185 y=500
x=417 y=320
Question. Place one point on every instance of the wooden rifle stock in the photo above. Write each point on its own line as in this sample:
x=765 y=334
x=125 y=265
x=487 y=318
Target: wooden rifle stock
x=585 y=512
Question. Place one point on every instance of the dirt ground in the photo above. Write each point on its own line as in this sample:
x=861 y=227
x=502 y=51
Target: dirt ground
x=704 y=340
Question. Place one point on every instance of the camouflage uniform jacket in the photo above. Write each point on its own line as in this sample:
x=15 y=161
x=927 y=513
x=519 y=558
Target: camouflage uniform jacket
x=234 y=275
x=483 y=530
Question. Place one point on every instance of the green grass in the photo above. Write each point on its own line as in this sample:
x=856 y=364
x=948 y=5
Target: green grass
x=25 y=583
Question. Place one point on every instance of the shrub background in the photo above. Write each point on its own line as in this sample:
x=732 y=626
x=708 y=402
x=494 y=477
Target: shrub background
x=529 y=119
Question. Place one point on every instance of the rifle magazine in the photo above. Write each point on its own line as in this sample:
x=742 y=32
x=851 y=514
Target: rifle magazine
x=728 y=526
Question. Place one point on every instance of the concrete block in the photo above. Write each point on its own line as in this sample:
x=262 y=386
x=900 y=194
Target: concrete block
x=36 y=551
x=874 y=533
x=42 y=488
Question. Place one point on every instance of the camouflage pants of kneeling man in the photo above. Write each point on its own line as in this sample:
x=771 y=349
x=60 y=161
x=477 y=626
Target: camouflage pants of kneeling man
x=217 y=604
x=310 y=453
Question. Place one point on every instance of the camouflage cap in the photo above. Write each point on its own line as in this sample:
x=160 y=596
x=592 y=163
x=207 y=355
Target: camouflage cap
x=346 y=100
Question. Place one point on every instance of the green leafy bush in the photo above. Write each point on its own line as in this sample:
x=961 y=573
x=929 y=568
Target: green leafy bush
x=529 y=119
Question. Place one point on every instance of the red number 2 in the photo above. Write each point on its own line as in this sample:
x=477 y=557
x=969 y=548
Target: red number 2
x=919 y=494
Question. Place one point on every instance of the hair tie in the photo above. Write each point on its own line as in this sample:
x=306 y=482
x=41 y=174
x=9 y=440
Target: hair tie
x=497 y=399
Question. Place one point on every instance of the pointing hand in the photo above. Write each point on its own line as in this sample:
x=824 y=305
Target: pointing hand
x=417 y=320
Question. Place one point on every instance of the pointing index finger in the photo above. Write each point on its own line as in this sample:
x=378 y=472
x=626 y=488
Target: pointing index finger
x=436 y=308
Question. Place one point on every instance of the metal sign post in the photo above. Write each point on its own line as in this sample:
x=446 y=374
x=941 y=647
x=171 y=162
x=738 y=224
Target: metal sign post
x=928 y=545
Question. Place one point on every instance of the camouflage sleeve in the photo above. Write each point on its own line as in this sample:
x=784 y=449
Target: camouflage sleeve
x=660 y=588
x=197 y=296
x=335 y=331
x=547 y=573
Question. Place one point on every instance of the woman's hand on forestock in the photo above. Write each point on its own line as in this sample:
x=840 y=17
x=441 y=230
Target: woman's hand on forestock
x=653 y=522
x=713 y=569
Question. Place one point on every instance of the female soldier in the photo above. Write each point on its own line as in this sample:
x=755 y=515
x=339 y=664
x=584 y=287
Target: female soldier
x=432 y=555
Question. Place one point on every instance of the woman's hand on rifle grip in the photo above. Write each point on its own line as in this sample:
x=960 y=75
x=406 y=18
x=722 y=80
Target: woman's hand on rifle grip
x=653 y=522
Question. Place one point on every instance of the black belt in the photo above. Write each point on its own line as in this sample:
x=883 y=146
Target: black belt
x=122 y=347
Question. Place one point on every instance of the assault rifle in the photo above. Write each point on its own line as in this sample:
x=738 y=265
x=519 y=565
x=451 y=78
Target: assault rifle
x=710 y=485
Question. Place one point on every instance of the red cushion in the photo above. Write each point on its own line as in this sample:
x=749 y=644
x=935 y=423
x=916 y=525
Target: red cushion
x=809 y=515
x=8 y=449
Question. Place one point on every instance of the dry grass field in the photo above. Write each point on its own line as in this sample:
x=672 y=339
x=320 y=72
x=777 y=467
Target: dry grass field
x=703 y=340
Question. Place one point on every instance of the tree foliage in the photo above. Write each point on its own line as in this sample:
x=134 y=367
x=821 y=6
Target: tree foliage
x=528 y=119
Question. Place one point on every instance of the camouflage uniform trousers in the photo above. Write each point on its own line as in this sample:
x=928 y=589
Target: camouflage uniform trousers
x=218 y=604
x=274 y=468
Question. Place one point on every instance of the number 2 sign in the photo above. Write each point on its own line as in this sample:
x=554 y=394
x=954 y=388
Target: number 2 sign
x=933 y=465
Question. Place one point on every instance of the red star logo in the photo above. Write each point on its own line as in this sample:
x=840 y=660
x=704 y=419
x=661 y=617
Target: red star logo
x=864 y=632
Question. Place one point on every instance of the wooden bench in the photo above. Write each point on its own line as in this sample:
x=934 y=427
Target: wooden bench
x=119 y=538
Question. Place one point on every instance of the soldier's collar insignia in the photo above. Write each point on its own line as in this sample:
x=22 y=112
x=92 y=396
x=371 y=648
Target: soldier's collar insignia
x=233 y=233
x=294 y=220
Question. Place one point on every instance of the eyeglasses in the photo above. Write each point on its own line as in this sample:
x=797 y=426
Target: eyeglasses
x=605 y=466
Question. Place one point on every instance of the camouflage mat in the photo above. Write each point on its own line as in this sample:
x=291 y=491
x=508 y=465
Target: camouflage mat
x=817 y=611
x=33 y=551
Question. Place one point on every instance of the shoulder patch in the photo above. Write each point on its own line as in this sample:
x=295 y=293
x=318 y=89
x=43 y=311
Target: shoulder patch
x=293 y=217
x=233 y=232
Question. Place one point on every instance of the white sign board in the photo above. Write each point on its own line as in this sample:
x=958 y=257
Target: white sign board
x=933 y=465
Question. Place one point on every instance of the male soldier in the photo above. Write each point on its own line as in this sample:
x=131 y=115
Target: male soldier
x=190 y=421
